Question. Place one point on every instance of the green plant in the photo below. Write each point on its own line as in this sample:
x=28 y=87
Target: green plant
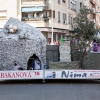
x=84 y=30
x=62 y=40
x=24 y=36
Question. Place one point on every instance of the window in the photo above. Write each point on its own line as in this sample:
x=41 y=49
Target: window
x=73 y=5
x=54 y=37
x=59 y=1
x=71 y=20
x=59 y=37
x=80 y=5
x=70 y=17
x=63 y=35
x=64 y=16
x=53 y=14
x=58 y=15
x=64 y=1
x=47 y=13
x=3 y=14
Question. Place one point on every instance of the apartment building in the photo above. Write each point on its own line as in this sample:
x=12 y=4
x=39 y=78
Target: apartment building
x=49 y=16
x=94 y=5
x=8 y=8
x=54 y=18
x=97 y=10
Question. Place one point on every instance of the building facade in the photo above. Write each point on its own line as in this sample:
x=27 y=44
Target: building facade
x=94 y=5
x=50 y=16
x=54 y=18
x=8 y=8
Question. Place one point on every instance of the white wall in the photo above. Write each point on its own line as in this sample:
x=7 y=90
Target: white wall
x=11 y=7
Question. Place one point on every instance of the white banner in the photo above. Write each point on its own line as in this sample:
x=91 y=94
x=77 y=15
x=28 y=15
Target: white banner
x=50 y=74
x=33 y=74
x=72 y=74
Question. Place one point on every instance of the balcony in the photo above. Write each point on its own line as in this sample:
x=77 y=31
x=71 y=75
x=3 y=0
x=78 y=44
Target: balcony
x=35 y=15
x=93 y=10
x=73 y=9
x=33 y=2
x=93 y=2
x=46 y=19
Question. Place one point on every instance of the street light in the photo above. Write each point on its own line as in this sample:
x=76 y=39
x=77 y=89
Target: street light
x=52 y=24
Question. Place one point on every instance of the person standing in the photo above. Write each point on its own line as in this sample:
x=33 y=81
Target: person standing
x=36 y=64
x=95 y=46
x=32 y=62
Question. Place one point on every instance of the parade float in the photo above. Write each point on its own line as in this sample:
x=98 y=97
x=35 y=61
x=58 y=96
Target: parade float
x=19 y=41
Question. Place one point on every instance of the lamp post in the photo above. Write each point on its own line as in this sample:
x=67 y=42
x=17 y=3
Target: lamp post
x=52 y=24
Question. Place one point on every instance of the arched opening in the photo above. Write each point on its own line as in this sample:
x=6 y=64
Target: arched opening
x=32 y=59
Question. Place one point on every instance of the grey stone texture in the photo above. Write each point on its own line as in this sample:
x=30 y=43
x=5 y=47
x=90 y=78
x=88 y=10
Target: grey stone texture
x=52 y=53
x=92 y=61
x=64 y=50
x=21 y=45
x=64 y=65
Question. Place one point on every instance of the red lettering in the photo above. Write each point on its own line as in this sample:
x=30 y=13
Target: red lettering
x=37 y=73
x=6 y=75
x=2 y=75
x=29 y=75
x=21 y=74
x=25 y=74
x=17 y=74
x=9 y=75
x=13 y=75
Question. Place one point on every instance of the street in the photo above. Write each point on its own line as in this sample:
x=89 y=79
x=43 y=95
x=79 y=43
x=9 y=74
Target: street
x=51 y=90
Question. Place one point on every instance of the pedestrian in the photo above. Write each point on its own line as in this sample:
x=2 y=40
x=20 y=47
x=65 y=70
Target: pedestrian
x=17 y=67
x=36 y=64
x=31 y=62
x=95 y=46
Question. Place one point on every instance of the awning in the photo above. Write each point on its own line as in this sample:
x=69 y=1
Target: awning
x=32 y=9
x=54 y=30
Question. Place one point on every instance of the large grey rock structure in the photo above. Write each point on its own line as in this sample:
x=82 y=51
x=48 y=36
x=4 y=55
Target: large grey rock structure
x=19 y=46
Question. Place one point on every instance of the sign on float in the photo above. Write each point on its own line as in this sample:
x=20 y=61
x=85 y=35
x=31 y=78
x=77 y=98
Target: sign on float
x=33 y=74
x=72 y=74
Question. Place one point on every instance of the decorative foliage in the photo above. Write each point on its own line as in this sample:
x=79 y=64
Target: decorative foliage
x=85 y=29
x=24 y=36
x=11 y=28
x=62 y=40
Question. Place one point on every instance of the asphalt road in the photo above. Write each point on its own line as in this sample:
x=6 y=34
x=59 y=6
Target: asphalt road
x=51 y=90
